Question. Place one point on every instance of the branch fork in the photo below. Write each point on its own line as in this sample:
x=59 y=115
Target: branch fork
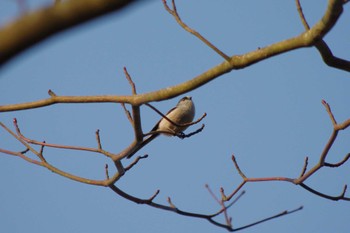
x=305 y=173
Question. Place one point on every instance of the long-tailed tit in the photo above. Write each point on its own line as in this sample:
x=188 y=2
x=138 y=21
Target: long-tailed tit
x=181 y=114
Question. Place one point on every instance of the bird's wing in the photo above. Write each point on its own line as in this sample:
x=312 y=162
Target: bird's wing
x=156 y=126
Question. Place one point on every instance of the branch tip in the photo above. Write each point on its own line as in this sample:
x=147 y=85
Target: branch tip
x=106 y=171
x=138 y=158
x=306 y=161
x=24 y=151
x=42 y=148
x=344 y=191
x=238 y=168
x=51 y=93
x=128 y=114
x=175 y=14
x=223 y=196
x=98 y=139
x=154 y=196
x=171 y=203
x=132 y=84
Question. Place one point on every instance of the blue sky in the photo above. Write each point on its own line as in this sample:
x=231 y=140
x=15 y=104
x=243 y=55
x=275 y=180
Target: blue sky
x=269 y=115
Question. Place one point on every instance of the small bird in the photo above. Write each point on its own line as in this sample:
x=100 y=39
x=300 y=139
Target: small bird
x=181 y=114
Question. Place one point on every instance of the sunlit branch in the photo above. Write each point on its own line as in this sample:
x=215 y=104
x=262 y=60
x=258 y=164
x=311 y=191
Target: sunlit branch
x=132 y=84
x=174 y=13
x=322 y=46
x=306 y=39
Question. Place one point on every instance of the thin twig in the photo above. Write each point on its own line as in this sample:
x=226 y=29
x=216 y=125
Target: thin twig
x=212 y=194
x=229 y=205
x=106 y=171
x=270 y=218
x=238 y=168
x=228 y=219
x=51 y=93
x=52 y=168
x=138 y=158
x=183 y=135
x=339 y=163
x=301 y=14
x=154 y=196
x=174 y=13
x=329 y=111
x=171 y=203
x=132 y=84
x=60 y=146
x=322 y=46
x=333 y=198
x=98 y=139
x=176 y=210
x=305 y=174
x=127 y=113
x=41 y=153
x=305 y=166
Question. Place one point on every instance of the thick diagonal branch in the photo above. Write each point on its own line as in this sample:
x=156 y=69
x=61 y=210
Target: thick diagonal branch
x=34 y=27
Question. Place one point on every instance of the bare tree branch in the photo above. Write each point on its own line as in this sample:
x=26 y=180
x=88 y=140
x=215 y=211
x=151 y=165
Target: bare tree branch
x=322 y=46
x=67 y=147
x=174 y=13
x=20 y=35
x=47 y=165
x=132 y=84
x=172 y=208
x=305 y=174
x=34 y=27
x=306 y=39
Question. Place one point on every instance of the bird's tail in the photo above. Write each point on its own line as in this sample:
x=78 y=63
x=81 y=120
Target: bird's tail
x=144 y=143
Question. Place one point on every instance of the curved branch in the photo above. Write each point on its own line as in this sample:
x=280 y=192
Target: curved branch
x=305 y=174
x=50 y=167
x=209 y=217
x=174 y=13
x=333 y=198
x=34 y=27
x=322 y=46
x=67 y=147
x=306 y=39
